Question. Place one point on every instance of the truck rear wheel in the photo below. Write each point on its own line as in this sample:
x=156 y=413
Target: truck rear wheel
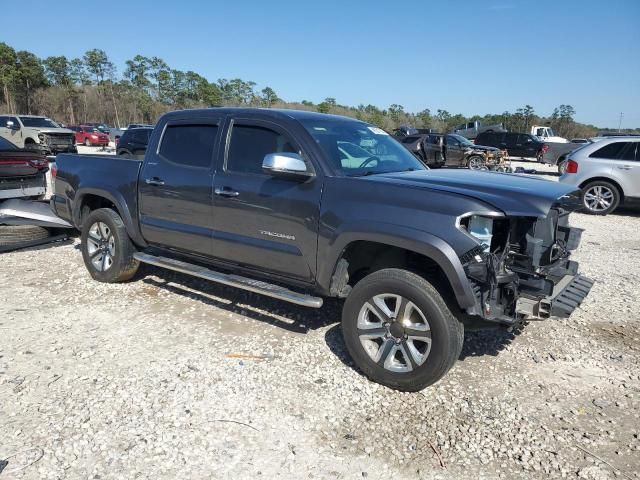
x=107 y=249
x=399 y=330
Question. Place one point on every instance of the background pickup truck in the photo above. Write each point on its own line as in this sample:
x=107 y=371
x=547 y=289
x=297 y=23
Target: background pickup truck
x=471 y=130
x=556 y=153
x=301 y=206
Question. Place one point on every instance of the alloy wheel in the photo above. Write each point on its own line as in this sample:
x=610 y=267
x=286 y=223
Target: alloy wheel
x=598 y=198
x=394 y=332
x=475 y=163
x=101 y=246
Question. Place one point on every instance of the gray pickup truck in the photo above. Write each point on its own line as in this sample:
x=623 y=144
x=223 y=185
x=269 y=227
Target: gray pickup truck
x=301 y=206
x=557 y=153
x=471 y=130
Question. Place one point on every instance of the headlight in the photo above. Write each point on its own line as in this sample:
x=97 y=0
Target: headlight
x=480 y=227
x=40 y=136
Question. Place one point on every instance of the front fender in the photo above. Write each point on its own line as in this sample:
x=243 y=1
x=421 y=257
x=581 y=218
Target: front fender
x=402 y=237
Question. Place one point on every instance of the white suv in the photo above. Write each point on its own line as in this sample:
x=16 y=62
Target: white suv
x=607 y=172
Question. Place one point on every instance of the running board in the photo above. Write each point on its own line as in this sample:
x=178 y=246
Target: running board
x=255 y=286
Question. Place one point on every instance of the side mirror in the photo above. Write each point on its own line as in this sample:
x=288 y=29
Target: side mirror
x=12 y=126
x=285 y=165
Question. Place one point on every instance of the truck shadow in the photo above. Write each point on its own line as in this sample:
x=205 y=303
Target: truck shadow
x=490 y=341
x=263 y=309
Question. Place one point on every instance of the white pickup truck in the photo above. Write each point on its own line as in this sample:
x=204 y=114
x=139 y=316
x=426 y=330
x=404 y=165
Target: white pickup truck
x=547 y=135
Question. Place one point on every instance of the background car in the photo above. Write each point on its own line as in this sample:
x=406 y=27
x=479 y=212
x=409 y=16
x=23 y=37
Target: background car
x=607 y=172
x=517 y=144
x=22 y=172
x=89 y=135
x=133 y=142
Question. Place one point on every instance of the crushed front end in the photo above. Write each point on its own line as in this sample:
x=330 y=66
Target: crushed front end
x=55 y=142
x=521 y=267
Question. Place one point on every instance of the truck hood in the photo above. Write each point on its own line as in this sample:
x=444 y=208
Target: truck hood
x=515 y=195
x=482 y=148
x=52 y=130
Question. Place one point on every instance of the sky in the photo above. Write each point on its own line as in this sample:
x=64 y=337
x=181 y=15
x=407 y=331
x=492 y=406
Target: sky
x=463 y=56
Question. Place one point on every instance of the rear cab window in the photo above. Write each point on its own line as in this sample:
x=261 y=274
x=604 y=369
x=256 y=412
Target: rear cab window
x=191 y=145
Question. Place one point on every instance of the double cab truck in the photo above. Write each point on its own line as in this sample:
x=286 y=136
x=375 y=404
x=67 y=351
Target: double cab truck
x=302 y=206
x=36 y=133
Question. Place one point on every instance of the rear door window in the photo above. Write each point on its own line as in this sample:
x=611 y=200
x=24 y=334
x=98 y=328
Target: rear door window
x=189 y=145
x=524 y=139
x=610 y=151
x=629 y=153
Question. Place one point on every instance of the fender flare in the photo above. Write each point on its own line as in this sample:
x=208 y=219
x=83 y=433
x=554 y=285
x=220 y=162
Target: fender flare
x=118 y=200
x=407 y=238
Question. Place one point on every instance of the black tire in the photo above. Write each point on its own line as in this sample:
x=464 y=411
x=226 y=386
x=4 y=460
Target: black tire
x=108 y=254
x=16 y=234
x=609 y=193
x=446 y=332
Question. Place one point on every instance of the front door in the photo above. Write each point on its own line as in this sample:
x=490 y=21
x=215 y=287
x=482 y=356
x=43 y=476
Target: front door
x=454 y=152
x=175 y=187
x=14 y=135
x=261 y=221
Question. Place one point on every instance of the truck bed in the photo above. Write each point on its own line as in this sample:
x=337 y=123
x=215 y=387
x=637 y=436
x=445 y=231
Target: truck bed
x=557 y=151
x=80 y=175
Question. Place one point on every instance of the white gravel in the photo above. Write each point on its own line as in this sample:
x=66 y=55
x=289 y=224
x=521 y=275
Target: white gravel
x=147 y=380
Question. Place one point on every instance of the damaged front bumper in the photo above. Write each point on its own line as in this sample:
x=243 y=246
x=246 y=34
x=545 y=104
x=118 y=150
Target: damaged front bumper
x=567 y=295
x=525 y=272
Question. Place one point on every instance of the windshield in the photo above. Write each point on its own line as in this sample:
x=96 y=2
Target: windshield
x=462 y=140
x=356 y=148
x=550 y=131
x=39 y=122
x=7 y=145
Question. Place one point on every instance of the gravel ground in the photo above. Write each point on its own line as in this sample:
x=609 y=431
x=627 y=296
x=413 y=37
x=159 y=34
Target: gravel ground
x=171 y=377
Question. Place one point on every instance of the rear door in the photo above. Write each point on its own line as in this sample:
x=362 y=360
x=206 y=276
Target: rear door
x=264 y=222
x=625 y=166
x=175 y=186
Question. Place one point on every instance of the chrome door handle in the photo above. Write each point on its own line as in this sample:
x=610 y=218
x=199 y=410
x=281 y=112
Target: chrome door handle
x=625 y=167
x=154 y=181
x=225 y=192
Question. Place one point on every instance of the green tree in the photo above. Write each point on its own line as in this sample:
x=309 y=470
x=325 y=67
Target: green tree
x=269 y=96
x=8 y=67
x=98 y=64
x=28 y=78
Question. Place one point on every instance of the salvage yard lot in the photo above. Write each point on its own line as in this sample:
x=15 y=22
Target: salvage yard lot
x=173 y=377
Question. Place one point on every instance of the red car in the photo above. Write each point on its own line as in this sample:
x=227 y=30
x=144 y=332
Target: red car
x=89 y=135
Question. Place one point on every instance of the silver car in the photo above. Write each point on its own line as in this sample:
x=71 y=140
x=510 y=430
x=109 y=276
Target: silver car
x=607 y=172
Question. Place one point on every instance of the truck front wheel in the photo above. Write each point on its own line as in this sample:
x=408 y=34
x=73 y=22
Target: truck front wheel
x=107 y=249
x=399 y=330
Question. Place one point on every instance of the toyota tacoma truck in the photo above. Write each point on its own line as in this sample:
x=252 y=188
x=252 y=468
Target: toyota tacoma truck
x=302 y=206
x=32 y=132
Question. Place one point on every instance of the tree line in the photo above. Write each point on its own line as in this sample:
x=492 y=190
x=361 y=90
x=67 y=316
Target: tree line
x=89 y=89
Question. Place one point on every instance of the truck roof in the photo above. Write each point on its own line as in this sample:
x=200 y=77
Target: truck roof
x=269 y=112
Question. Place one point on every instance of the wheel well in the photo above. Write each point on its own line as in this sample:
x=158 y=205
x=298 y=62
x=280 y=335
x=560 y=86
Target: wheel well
x=604 y=179
x=29 y=140
x=92 y=202
x=365 y=257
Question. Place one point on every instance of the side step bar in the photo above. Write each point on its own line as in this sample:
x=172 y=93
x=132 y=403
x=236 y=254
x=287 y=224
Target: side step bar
x=255 y=286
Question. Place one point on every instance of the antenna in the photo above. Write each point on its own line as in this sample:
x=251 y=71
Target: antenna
x=620 y=122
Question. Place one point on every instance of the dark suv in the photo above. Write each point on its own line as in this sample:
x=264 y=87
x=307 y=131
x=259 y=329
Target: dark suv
x=517 y=144
x=133 y=142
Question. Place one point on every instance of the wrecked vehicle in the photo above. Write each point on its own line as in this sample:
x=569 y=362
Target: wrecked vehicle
x=301 y=206
x=37 y=133
x=438 y=150
x=22 y=172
